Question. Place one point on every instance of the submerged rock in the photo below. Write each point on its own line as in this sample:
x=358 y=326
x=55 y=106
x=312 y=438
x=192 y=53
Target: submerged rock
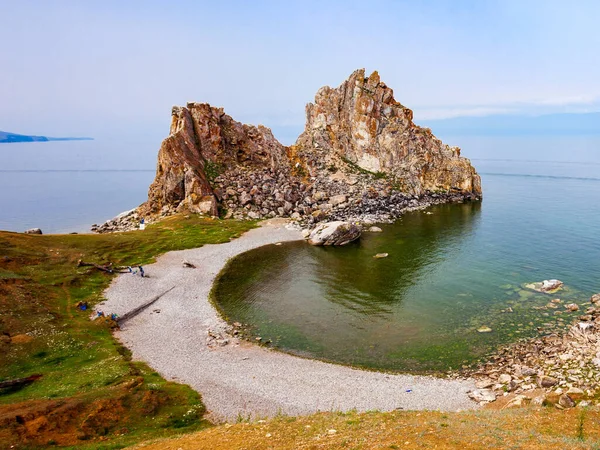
x=484 y=329
x=375 y=229
x=334 y=233
x=381 y=255
x=546 y=286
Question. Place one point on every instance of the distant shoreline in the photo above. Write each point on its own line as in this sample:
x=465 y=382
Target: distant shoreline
x=12 y=138
x=46 y=140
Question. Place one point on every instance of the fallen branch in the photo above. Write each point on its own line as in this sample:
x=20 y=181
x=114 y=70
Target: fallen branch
x=108 y=268
x=19 y=381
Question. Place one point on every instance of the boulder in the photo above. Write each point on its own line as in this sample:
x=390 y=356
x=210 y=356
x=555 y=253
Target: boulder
x=334 y=233
x=245 y=198
x=33 y=231
x=482 y=395
x=504 y=378
x=565 y=401
x=337 y=200
x=517 y=402
x=547 y=382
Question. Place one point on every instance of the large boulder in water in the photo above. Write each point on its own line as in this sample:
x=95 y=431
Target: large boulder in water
x=334 y=233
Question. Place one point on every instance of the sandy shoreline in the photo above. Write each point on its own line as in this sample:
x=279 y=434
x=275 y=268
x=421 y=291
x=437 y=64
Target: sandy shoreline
x=248 y=381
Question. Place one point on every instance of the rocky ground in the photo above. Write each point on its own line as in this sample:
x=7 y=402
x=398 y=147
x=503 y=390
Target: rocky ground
x=342 y=196
x=558 y=369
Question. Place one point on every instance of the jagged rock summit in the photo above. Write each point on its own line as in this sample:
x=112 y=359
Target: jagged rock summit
x=203 y=142
x=360 y=157
x=360 y=122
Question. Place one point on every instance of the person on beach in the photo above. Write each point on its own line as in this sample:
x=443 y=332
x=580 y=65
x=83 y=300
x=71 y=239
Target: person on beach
x=141 y=271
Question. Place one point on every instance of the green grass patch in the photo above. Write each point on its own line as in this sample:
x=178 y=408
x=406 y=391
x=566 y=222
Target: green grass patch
x=77 y=357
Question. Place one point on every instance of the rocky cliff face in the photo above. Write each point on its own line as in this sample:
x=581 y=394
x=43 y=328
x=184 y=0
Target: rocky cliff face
x=360 y=157
x=360 y=122
x=203 y=142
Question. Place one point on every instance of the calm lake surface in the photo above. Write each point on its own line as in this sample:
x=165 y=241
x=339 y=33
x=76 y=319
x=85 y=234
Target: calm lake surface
x=448 y=273
x=66 y=186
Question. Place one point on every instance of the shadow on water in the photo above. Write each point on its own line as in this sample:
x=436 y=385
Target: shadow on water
x=448 y=274
x=352 y=278
x=344 y=305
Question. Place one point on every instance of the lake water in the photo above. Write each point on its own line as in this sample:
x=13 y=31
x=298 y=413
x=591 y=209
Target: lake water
x=448 y=273
x=66 y=186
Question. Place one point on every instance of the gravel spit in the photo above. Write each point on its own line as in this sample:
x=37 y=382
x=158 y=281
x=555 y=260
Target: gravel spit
x=242 y=380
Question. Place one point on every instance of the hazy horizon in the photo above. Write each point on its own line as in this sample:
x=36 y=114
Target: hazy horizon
x=107 y=69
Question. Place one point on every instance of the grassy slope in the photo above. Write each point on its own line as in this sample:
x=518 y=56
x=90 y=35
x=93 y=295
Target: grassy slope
x=93 y=396
x=91 y=393
x=527 y=428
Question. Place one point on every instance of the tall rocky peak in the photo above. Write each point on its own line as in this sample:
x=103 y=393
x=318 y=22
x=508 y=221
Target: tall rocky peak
x=360 y=155
x=203 y=142
x=360 y=122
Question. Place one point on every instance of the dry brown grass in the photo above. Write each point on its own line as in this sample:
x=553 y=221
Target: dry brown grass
x=525 y=428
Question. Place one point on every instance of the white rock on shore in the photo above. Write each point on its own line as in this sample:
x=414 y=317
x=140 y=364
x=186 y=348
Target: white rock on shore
x=334 y=233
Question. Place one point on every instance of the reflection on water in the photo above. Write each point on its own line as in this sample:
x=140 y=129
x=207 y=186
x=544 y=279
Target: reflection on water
x=450 y=271
x=372 y=286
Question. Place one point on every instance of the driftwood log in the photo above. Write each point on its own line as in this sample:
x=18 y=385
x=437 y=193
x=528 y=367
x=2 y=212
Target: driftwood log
x=108 y=268
x=19 y=382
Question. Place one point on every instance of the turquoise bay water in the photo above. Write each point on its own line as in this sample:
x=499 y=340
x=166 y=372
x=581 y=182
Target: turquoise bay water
x=448 y=273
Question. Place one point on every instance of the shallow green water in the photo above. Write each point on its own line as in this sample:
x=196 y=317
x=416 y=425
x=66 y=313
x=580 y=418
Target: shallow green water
x=448 y=273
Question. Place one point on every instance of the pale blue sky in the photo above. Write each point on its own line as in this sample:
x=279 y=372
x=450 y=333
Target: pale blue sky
x=115 y=68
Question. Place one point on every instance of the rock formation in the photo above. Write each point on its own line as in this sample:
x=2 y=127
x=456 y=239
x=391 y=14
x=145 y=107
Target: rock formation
x=360 y=157
x=360 y=122
x=204 y=141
